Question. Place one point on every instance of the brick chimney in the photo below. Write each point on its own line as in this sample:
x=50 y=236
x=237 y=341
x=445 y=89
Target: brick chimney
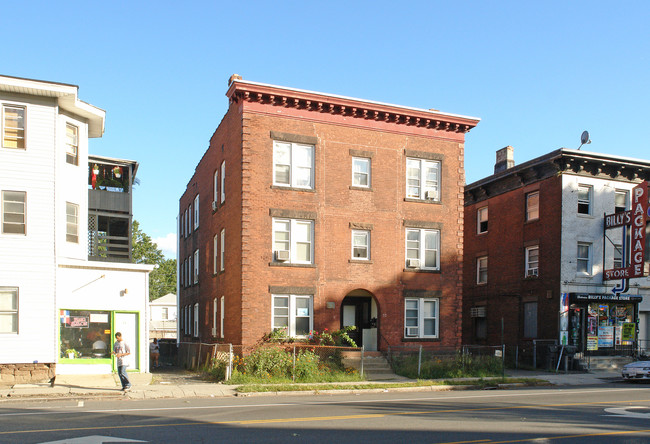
x=505 y=159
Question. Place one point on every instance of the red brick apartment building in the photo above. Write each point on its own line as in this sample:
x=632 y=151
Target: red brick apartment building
x=535 y=247
x=311 y=211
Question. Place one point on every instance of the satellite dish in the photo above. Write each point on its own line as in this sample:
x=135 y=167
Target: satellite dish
x=584 y=139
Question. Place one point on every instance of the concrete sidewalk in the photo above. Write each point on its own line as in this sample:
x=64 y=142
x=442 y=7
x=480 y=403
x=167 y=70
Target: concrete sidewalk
x=145 y=387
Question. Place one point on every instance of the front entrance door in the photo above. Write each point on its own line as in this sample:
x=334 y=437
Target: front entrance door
x=127 y=324
x=361 y=312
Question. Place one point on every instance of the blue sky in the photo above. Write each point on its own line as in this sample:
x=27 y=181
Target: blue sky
x=536 y=73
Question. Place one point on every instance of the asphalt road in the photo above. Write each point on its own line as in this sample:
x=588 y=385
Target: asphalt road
x=608 y=413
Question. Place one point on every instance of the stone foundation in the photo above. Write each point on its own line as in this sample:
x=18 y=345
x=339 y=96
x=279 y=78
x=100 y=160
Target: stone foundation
x=11 y=374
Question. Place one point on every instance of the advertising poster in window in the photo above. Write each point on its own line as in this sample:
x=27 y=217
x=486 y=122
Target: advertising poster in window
x=606 y=336
x=592 y=342
x=628 y=331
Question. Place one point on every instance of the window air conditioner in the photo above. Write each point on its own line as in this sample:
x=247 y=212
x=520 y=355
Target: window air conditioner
x=411 y=332
x=282 y=255
x=532 y=272
x=430 y=195
x=477 y=312
x=413 y=263
x=214 y=205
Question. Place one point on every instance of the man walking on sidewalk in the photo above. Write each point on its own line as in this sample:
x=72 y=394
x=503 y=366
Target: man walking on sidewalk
x=121 y=349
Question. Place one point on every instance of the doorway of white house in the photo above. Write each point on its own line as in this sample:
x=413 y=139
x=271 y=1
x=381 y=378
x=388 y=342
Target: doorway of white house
x=127 y=324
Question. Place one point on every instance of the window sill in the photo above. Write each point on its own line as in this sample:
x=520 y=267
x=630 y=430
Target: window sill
x=283 y=188
x=420 y=339
x=531 y=221
x=481 y=284
x=426 y=201
x=586 y=216
x=289 y=264
x=482 y=233
x=358 y=188
x=420 y=270
x=531 y=278
x=360 y=261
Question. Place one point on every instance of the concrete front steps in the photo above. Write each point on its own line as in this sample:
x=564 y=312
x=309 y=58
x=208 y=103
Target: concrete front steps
x=375 y=367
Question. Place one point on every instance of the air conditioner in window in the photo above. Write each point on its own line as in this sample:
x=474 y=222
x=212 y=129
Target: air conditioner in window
x=413 y=263
x=282 y=255
x=477 y=312
x=214 y=205
x=532 y=272
x=411 y=332
x=431 y=195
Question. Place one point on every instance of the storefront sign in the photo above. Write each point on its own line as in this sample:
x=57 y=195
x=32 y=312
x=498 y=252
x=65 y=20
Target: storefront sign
x=636 y=219
x=78 y=321
x=605 y=297
x=628 y=330
x=606 y=336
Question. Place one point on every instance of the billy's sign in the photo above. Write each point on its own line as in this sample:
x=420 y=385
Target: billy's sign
x=634 y=221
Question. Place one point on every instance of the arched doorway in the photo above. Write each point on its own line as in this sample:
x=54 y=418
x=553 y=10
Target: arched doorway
x=359 y=308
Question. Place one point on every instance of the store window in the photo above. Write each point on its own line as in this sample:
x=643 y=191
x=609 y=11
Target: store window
x=85 y=334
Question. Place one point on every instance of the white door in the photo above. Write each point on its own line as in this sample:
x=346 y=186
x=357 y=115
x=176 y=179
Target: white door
x=127 y=324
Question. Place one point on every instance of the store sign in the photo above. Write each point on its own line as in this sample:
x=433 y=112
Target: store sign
x=79 y=321
x=606 y=336
x=635 y=219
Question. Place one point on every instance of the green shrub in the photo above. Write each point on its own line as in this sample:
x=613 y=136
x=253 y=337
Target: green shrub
x=218 y=371
x=440 y=367
x=271 y=361
x=307 y=365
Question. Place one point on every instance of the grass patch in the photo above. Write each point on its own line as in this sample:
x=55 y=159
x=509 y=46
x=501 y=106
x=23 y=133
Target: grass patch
x=477 y=383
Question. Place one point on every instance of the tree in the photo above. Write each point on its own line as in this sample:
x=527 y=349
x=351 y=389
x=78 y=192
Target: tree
x=162 y=280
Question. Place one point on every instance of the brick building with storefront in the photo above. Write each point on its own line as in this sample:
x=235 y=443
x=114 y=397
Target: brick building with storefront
x=311 y=211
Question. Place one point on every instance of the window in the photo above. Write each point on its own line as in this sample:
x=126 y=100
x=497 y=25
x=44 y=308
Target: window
x=223 y=313
x=532 y=261
x=189 y=271
x=618 y=256
x=422 y=179
x=420 y=318
x=13 y=212
x=223 y=181
x=196 y=212
x=189 y=220
x=360 y=244
x=361 y=172
x=620 y=201
x=8 y=310
x=482 y=220
x=165 y=313
x=530 y=319
x=185 y=224
x=293 y=241
x=196 y=266
x=423 y=249
x=71 y=144
x=482 y=270
x=222 y=252
x=583 y=258
x=293 y=312
x=584 y=199
x=196 y=320
x=216 y=186
x=87 y=332
x=532 y=206
x=13 y=128
x=215 y=251
x=71 y=222
x=214 y=317
x=293 y=165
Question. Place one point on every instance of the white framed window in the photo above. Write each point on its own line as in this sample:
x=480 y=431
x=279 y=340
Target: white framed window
x=185 y=223
x=189 y=271
x=585 y=194
x=14 y=208
x=13 y=127
x=222 y=251
x=583 y=258
x=223 y=181
x=196 y=212
x=532 y=261
x=165 y=313
x=482 y=270
x=196 y=266
x=293 y=165
x=293 y=241
x=530 y=319
x=293 y=312
x=189 y=220
x=71 y=144
x=8 y=310
x=532 y=206
x=361 y=172
x=223 y=314
x=196 y=320
x=421 y=317
x=422 y=179
x=215 y=253
x=482 y=220
x=216 y=186
x=214 y=317
x=620 y=201
x=71 y=222
x=361 y=244
x=618 y=256
x=422 y=249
